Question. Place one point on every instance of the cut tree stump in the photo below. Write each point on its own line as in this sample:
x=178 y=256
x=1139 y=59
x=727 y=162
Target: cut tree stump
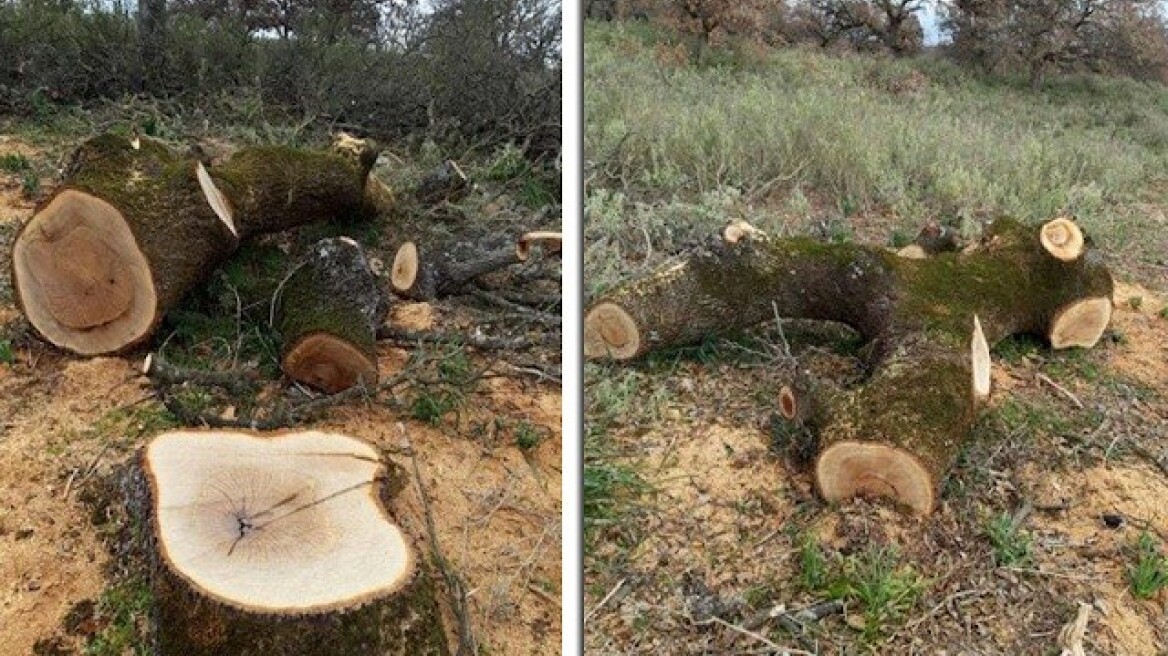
x=928 y=323
x=277 y=544
x=134 y=226
x=327 y=311
x=424 y=273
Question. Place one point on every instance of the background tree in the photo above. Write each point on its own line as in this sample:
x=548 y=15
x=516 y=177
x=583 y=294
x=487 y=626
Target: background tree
x=1040 y=37
x=863 y=24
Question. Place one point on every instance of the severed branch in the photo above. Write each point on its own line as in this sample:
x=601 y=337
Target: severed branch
x=475 y=339
x=933 y=239
x=427 y=271
x=164 y=374
x=281 y=415
x=454 y=583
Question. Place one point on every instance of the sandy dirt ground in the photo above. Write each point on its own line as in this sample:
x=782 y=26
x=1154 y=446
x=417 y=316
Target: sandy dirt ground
x=65 y=422
x=715 y=533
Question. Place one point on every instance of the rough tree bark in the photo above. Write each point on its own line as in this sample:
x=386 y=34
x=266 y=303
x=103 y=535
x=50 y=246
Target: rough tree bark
x=327 y=311
x=426 y=272
x=277 y=544
x=134 y=226
x=928 y=324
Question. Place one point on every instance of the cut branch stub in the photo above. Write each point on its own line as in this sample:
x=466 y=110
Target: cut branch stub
x=327 y=312
x=897 y=432
x=134 y=227
x=423 y=273
x=550 y=242
x=1062 y=238
x=1081 y=323
x=933 y=239
x=280 y=545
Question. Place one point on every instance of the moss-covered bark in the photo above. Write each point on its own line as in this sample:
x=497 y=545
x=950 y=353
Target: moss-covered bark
x=721 y=288
x=184 y=621
x=330 y=292
x=156 y=192
x=160 y=200
x=916 y=315
x=273 y=188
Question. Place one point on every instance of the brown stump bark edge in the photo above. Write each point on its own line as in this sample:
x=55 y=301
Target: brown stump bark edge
x=278 y=544
x=929 y=322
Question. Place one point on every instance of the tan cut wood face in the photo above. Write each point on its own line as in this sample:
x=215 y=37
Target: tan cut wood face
x=1062 y=238
x=328 y=363
x=1081 y=323
x=215 y=198
x=610 y=332
x=288 y=523
x=848 y=469
x=82 y=279
x=405 y=266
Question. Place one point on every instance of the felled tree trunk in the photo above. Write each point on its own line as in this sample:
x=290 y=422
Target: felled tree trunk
x=327 y=311
x=135 y=226
x=929 y=324
x=426 y=272
x=277 y=544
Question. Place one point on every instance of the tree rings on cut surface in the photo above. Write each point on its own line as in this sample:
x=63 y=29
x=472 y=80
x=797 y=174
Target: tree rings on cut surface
x=82 y=279
x=609 y=332
x=285 y=524
x=848 y=469
x=1080 y=324
x=327 y=311
x=279 y=544
x=1062 y=238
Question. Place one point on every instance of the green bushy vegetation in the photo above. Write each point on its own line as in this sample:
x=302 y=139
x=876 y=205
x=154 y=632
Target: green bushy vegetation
x=672 y=148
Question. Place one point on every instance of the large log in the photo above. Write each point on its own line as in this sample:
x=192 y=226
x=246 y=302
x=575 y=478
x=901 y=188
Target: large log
x=327 y=312
x=134 y=226
x=928 y=323
x=278 y=544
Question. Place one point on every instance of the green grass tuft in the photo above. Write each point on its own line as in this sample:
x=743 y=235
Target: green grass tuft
x=1149 y=574
x=14 y=163
x=1012 y=546
x=126 y=607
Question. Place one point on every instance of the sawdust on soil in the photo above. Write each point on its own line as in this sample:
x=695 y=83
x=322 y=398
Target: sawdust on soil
x=496 y=508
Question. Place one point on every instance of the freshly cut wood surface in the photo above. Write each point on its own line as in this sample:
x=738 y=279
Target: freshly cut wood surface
x=1081 y=323
x=897 y=432
x=278 y=544
x=327 y=312
x=848 y=469
x=276 y=524
x=134 y=226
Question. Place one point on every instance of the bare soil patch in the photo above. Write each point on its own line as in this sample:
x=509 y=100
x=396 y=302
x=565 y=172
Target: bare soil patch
x=65 y=423
x=719 y=529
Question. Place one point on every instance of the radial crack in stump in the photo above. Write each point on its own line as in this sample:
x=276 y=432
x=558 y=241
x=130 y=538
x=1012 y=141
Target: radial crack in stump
x=327 y=312
x=280 y=545
x=135 y=226
x=929 y=324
